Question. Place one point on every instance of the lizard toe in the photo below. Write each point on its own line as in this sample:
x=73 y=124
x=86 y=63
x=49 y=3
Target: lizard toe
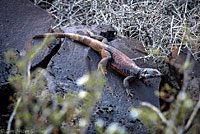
x=102 y=68
x=104 y=72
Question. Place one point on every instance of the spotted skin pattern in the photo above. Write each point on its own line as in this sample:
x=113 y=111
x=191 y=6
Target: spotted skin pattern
x=117 y=60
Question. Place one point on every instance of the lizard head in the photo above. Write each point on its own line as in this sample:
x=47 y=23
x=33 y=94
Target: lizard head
x=149 y=73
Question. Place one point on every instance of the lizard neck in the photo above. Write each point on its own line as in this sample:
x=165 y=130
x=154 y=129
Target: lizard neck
x=135 y=70
x=140 y=73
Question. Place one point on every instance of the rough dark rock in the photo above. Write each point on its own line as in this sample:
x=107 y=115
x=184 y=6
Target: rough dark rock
x=175 y=76
x=176 y=63
x=19 y=21
x=71 y=62
x=193 y=89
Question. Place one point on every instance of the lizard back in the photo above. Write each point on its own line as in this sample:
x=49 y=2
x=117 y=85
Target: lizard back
x=122 y=63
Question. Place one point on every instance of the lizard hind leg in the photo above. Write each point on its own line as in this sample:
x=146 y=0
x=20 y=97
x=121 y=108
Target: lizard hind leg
x=97 y=37
x=106 y=57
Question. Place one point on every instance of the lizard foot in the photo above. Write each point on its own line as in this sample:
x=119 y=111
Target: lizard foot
x=128 y=92
x=102 y=68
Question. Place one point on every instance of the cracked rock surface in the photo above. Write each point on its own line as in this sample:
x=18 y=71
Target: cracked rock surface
x=20 y=20
x=71 y=62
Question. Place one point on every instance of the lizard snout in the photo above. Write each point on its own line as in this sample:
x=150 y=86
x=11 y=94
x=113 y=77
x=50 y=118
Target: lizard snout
x=156 y=72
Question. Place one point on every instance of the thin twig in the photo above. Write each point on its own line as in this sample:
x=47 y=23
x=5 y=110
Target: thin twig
x=172 y=22
x=13 y=115
x=155 y=109
x=189 y=122
x=196 y=108
x=144 y=20
x=143 y=57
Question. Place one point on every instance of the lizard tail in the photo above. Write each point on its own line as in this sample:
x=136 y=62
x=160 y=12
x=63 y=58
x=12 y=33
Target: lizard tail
x=94 y=44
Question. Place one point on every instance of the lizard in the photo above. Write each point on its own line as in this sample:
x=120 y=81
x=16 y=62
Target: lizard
x=117 y=59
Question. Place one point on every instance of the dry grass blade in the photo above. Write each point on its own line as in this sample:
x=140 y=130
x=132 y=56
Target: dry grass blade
x=158 y=24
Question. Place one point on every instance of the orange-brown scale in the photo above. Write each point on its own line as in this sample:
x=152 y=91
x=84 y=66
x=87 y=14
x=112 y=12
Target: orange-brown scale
x=118 y=60
x=94 y=44
x=121 y=63
x=113 y=66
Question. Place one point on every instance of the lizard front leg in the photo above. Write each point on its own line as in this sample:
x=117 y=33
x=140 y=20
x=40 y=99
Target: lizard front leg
x=126 y=84
x=106 y=56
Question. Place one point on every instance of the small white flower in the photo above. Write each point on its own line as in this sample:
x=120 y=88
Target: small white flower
x=112 y=128
x=22 y=53
x=182 y=96
x=99 y=123
x=82 y=94
x=82 y=80
x=83 y=122
x=134 y=113
x=77 y=111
